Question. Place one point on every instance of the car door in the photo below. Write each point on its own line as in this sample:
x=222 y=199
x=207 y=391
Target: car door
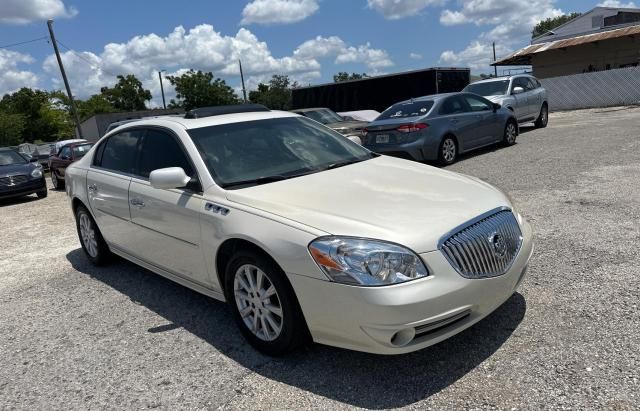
x=63 y=160
x=486 y=118
x=461 y=121
x=535 y=97
x=108 y=182
x=167 y=221
x=521 y=107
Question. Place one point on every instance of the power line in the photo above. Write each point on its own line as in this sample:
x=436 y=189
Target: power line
x=81 y=57
x=6 y=46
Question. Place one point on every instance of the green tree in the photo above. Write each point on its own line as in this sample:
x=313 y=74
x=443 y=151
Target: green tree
x=551 y=23
x=199 y=89
x=128 y=94
x=276 y=94
x=11 y=128
x=44 y=120
x=344 y=76
x=95 y=104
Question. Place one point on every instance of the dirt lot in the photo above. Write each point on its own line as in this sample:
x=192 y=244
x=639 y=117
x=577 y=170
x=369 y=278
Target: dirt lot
x=75 y=336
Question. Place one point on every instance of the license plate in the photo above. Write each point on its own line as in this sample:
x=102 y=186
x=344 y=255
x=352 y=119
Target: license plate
x=382 y=138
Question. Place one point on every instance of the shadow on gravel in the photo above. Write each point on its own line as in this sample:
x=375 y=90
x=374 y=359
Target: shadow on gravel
x=18 y=200
x=354 y=378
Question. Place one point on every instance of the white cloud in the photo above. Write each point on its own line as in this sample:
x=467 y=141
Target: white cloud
x=13 y=78
x=397 y=9
x=415 y=56
x=203 y=48
x=26 y=11
x=321 y=47
x=618 y=3
x=510 y=22
x=278 y=11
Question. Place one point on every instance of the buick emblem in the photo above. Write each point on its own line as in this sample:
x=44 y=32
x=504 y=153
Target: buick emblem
x=498 y=244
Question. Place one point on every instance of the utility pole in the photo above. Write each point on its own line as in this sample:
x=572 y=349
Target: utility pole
x=64 y=78
x=495 y=68
x=244 y=91
x=164 y=104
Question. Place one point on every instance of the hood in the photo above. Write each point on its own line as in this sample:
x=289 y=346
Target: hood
x=13 y=169
x=347 y=125
x=383 y=198
x=496 y=99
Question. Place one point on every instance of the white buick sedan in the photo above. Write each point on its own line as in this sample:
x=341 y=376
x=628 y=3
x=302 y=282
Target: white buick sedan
x=307 y=235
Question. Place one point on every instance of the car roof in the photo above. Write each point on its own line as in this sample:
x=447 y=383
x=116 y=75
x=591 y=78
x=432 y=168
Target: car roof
x=433 y=97
x=501 y=78
x=191 y=123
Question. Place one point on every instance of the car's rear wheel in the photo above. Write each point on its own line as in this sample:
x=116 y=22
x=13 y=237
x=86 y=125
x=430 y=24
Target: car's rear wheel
x=543 y=117
x=263 y=303
x=57 y=184
x=448 y=151
x=91 y=239
x=510 y=133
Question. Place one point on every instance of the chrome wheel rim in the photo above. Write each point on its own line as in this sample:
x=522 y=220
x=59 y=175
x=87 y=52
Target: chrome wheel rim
x=88 y=235
x=448 y=150
x=544 y=115
x=511 y=133
x=258 y=302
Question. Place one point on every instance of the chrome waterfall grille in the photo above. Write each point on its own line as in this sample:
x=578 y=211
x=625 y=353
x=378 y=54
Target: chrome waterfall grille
x=484 y=247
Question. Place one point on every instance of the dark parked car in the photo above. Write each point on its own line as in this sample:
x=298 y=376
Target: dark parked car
x=19 y=176
x=352 y=129
x=440 y=127
x=67 y=155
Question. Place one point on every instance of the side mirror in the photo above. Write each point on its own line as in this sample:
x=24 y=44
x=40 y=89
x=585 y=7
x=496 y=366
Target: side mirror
x=170 y=177
x=517 y=90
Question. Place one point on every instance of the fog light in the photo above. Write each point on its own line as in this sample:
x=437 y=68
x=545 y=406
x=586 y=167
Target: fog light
x=403 y=337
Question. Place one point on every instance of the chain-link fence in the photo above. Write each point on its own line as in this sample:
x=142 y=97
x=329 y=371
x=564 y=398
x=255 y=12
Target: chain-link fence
x=617 y=87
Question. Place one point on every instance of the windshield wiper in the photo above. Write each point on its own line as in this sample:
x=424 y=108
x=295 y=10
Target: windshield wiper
x=347 y=162
x=266 y=179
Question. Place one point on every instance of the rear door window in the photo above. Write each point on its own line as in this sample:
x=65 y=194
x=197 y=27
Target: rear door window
x=453 y=105
x=119 y=153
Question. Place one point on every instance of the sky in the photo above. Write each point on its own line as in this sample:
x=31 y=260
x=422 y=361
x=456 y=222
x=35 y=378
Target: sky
x=309 y=40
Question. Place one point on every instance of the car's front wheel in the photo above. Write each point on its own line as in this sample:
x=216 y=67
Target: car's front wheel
x=543 y=117
x=263 y=304
x=57 y=184
x=91 y=239
x=510 y=133
x=42 y=193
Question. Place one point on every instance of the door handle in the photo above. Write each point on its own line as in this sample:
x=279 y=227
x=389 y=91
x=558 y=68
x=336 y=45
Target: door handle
x=136 y=202
x=93 y=188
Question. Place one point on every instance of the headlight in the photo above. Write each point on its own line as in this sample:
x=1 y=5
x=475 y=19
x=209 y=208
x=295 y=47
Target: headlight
x=36 y=173
x=366 y=262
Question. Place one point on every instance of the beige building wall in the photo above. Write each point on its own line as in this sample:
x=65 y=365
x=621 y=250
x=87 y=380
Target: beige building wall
x=587 y=57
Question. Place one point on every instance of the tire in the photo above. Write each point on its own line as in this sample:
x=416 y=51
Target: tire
x=447 y=151
x=510 y=133
x=543 y=117
x=42 y=193
x=273 y=325
x=57 y=184
x=91 y=240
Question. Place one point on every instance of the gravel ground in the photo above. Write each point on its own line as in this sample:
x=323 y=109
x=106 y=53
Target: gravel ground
x=74 y=336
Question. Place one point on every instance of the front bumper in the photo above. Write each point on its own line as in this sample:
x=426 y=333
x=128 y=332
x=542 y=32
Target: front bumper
x=410 y=316
x=26 y=188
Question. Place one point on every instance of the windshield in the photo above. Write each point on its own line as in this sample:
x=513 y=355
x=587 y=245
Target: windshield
x=324 y=116
x=490 y=88
x=81 y=150
x=407 y=109
x=262 y=151
x=10 y=157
